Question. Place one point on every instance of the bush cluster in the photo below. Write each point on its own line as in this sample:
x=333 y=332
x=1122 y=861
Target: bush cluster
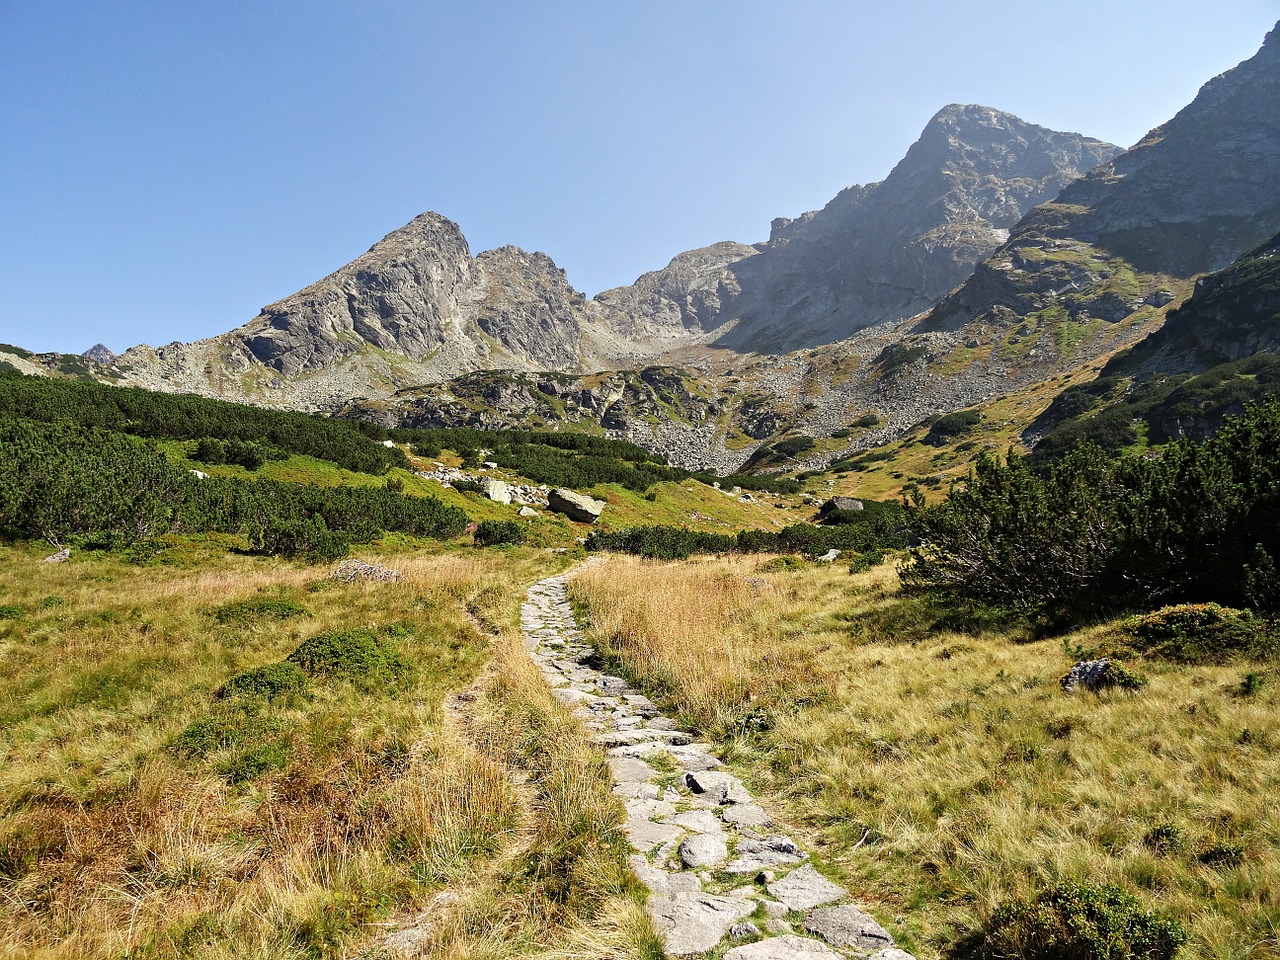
x=872 y=532
x=351 y=444
x=1091 y=533
x=63 y=483
x=1077 y=921
x=491 y=533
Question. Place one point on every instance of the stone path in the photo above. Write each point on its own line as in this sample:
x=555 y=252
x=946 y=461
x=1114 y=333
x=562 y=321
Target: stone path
x=716 y=870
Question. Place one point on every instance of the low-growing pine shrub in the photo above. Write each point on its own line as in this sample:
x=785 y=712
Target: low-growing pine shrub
x=490 y=533
x=1073 y=920
x=359 y=656
x=1203 y=633
x=265 y=608
x=270 y=680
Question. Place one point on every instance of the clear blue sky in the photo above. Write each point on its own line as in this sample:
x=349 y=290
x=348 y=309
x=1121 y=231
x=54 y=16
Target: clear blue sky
x=167 y=168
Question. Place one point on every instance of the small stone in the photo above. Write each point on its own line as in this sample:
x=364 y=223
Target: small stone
x=526 y=512
x=743 y=931
x=847 y=926
x=703 y=850
x=805 y=888
x=774 y=909
x=622 y=738
x=789 y=947
x=776 y=926
x=891 y=953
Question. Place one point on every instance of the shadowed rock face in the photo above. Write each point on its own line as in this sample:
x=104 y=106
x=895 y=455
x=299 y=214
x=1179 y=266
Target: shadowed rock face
x=402 y=296
x=1191 y=196
x=880 y=252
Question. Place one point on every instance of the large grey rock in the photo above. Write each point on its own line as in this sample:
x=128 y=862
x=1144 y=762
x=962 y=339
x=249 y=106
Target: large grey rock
x=692 y=923
x=783 y=948
x=1089 y=674
x=804 y=889
x=630 y=769
x=703 y=850
x=496 y=490
x=847 y=926
x=574 y=505
x=756 y=855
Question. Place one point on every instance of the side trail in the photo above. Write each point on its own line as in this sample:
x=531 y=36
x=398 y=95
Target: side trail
x=716 y=871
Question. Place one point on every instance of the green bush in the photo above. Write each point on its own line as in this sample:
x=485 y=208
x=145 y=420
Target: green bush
x=1203 y=633
x=1077 y=921
x=230 y=725
x=270 y=680
x=309 y=538
x=490 y=533
x=273 y=608
x=10 y=611
x=359 y=656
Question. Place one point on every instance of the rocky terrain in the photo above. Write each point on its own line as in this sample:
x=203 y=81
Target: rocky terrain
x=875 y=253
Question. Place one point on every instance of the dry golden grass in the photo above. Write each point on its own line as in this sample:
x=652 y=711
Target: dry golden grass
x=970 y=775
x=115 y=843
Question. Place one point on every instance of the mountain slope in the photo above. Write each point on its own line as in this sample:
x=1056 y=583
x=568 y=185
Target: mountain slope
x=1191 y=196
x=874 y=253
x=417 y=307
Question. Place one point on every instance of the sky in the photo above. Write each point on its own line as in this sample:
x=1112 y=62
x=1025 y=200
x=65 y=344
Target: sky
x=168 y=168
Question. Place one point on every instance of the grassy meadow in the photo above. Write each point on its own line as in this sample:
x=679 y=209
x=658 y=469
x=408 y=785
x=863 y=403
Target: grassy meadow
x=223 y=756
x=933 y=760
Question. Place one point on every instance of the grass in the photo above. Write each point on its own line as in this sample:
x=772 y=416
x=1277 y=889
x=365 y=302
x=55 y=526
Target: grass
x=952 y=755
x=230 y=756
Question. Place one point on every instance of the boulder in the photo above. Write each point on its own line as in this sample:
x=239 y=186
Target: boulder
x=703 y=850
x=692 y=923
x=1089 y=674
x=575 y=506
x=527 y=512
x=497 y=491
x=839 y=503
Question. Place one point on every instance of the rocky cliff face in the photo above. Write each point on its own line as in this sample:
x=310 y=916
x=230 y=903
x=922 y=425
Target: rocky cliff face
x=1194 y=194
x=416 y=308
x=1232 y=314
x=875 y=253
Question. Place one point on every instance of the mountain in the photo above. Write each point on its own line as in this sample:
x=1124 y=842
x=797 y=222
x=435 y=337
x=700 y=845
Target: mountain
x=419 y=308
x=416 y=308
x=874 y=253
x=1191 y=196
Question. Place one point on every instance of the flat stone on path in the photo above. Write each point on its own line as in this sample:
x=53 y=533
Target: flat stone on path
x=663 y=881
x=630 y=770
x=692 y=923
x=805 y=888
x=703 y=850
x=645 y=834
x=783 y=948
x=723 y=787
x=747 y=815
x=847 y=926
x=892 y=953
x=622 y=738
x=698 y=821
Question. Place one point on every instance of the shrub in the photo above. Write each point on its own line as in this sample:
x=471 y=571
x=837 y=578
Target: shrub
x=274 y=608
x=10 y=611
x=309 y=538
x=468 y=486
x=490 y=533
x=230 y=725
x=1202 y=633
x=359 y=656
x=270 y=680
x=1077 y=921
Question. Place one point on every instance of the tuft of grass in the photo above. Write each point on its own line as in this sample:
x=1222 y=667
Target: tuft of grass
x=361 y=657
x=258 y=608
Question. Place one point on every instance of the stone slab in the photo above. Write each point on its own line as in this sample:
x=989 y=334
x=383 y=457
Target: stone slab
x=691 y=923
x=805 y=888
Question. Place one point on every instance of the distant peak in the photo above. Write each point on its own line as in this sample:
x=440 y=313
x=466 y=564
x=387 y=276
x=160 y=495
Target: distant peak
x=100 y=353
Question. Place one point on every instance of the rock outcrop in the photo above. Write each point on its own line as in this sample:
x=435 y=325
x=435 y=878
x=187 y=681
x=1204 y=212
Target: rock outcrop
x=874 y=253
